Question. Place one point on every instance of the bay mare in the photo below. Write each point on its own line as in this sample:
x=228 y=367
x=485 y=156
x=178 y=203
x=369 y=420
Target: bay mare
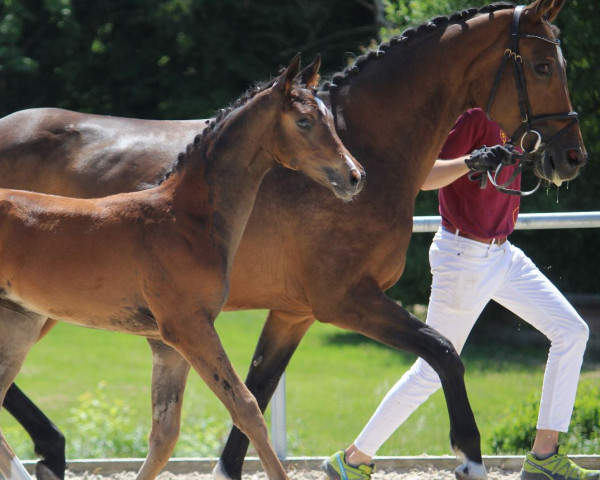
x=393 y=110
x=156 y=263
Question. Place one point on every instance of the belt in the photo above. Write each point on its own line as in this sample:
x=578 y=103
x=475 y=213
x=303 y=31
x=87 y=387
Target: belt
x=489 y=241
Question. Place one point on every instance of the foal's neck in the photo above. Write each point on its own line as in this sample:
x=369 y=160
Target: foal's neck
x=221 y=176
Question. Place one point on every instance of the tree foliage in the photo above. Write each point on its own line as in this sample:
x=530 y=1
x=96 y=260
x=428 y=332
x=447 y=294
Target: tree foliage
x=163 y=58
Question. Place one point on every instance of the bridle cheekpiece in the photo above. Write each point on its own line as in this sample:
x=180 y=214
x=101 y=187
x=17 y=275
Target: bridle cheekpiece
x=528 y=157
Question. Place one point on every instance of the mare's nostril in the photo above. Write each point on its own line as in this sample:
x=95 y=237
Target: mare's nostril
x=574 y=158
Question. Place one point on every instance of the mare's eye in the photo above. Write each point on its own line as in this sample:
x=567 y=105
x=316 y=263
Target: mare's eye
x=304 y=123
x=543 y=69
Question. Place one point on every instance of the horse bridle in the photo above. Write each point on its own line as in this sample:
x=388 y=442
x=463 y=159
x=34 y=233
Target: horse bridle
x=528 y=157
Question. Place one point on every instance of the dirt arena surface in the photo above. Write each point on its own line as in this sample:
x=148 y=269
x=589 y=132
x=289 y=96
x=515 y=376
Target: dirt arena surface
x=388 y=468
x=402 y=474
x=307 y=468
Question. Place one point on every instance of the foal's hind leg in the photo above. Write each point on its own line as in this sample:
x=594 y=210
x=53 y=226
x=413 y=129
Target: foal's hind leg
x=199 y=343
x=277 y=343
x=19 y=330
x=169 y=374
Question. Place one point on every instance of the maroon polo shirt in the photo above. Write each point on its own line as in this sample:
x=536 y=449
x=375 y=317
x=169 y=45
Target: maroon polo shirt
x=485 y=213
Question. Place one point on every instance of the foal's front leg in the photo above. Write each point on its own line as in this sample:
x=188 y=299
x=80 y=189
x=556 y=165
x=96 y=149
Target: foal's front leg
x=199 y=343
x=169 y=375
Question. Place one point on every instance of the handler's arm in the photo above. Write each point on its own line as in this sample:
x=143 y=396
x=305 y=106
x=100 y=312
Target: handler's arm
x=444 y=172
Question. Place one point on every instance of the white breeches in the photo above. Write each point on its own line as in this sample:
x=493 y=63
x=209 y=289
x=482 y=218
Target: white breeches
x=466 y=275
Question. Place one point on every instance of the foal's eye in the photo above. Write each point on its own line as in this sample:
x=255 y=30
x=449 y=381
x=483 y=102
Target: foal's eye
x=304 y=123
x=543 y=69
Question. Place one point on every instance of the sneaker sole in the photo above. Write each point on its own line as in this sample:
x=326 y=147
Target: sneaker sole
x=535 y=476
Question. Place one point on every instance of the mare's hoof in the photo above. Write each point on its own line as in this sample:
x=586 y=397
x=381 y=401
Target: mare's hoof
x=42 y=472
x=471 y=471
x=219 y=472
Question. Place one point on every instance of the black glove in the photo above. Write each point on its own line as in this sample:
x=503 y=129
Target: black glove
x=488 y=158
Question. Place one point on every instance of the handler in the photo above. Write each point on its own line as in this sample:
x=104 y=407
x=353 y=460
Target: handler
x=472 y=262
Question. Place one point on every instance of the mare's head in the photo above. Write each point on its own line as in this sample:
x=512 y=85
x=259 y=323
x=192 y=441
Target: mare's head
x=305 y=138
x=533 y=81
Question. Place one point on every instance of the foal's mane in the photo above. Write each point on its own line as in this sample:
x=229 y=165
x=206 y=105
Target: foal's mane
x=222 y=114
x=404 y=40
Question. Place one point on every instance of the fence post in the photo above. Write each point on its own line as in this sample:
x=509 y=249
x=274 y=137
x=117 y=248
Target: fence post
x=278 y=426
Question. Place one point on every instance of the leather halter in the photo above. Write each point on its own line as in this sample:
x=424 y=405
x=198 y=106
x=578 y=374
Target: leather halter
x=529 y=156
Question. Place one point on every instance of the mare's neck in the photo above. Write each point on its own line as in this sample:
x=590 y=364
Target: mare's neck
x=395 y=114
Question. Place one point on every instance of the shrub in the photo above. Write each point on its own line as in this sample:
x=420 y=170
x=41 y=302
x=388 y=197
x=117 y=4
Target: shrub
x=103 y=428
x=516 y=434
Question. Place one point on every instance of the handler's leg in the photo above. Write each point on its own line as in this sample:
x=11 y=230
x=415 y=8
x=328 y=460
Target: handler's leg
x=464 y=278
x=529 y=294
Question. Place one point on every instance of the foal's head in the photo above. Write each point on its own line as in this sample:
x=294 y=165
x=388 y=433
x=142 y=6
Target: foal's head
x=305 y=138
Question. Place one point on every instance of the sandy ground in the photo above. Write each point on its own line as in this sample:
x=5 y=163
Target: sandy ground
x=412 y=474
x=388 y=468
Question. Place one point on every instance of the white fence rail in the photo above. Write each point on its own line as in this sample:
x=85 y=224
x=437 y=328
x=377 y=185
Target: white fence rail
x=526 y=221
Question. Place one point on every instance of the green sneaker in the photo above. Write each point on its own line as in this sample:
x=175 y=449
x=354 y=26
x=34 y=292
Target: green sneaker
x=557 y=467
x=336 y=468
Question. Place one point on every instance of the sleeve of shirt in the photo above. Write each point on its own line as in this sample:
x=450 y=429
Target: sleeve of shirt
x=466 y=135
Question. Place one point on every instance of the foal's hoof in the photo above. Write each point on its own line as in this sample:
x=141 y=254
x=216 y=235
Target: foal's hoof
x=471 y=471
x=42 y=472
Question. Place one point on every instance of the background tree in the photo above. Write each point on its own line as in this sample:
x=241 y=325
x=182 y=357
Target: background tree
x=164 y=58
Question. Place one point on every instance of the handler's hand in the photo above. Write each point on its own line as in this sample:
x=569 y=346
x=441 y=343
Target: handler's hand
x=488 y=158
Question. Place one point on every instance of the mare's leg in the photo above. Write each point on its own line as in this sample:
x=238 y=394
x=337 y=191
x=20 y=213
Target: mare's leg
x=367 y=310
x=277 y=343
x=169 y=375
x=19 y=330
x=48 y=440
x=197 y=340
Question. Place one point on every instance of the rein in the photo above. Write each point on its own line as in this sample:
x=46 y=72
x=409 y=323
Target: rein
x=528 y=157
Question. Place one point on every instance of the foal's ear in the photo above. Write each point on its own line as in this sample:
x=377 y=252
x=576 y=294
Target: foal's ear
x=545 y=8
x=310 y=75
x=286 y=79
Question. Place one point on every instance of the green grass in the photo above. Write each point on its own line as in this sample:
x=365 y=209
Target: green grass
x=334 y=382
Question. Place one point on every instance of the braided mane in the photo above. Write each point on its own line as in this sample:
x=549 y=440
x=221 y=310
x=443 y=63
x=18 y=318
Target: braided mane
x=404 y=39
x=222 y=114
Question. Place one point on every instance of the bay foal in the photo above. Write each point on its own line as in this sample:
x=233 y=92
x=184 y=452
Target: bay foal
x=156 y=263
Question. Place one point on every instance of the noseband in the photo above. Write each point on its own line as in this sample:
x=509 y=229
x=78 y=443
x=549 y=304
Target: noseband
x=528 y=157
